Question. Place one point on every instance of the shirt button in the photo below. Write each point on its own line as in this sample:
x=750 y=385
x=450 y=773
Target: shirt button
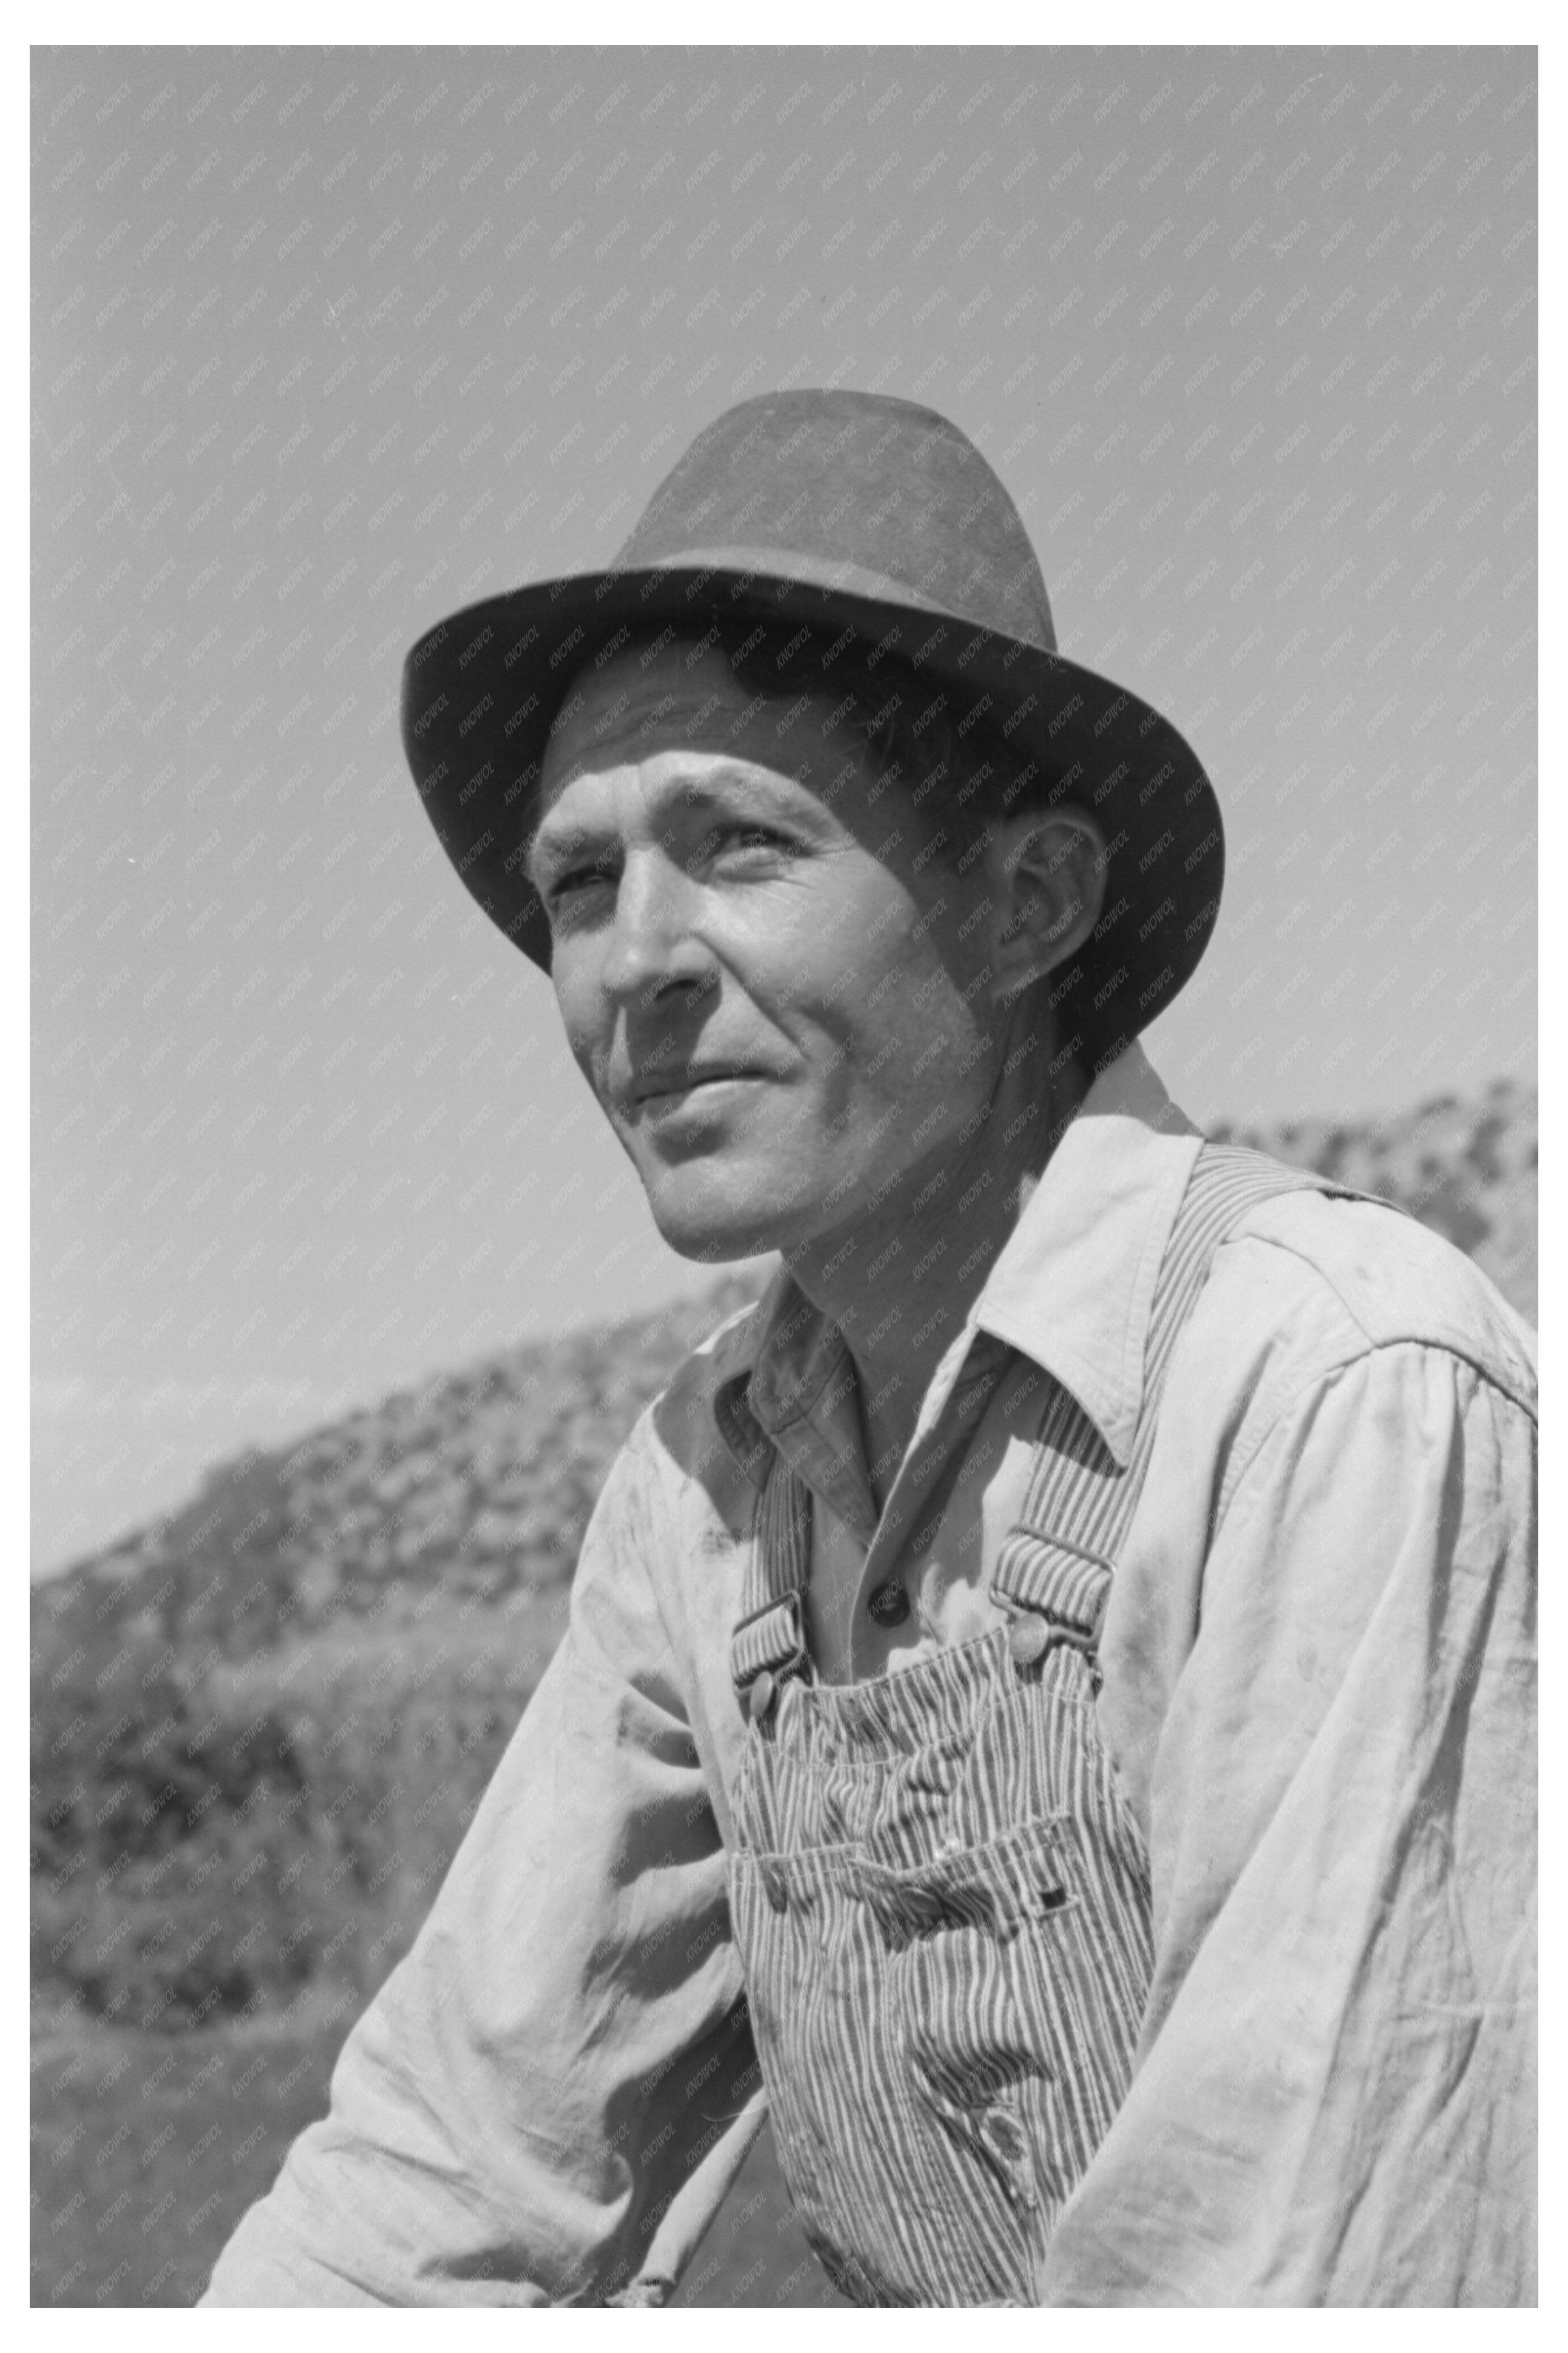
x=761 y=1698
x=889 y=1605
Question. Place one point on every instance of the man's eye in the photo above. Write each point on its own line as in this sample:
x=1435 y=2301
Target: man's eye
x=733 y=839
x=744 y=837
x=576 y=880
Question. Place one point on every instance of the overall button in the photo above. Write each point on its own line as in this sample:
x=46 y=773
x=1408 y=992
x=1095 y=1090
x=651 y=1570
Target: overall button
x=889 y=1605
x=1028 y=1639
x=761 y=1698
x=773 y=1881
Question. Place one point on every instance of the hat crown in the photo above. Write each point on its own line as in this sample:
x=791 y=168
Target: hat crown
x=850 y=490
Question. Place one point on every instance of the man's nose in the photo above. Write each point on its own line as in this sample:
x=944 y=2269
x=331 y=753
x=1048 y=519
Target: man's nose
x=654 y=944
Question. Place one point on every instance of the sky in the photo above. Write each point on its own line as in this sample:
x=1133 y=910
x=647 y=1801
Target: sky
x=326 y=344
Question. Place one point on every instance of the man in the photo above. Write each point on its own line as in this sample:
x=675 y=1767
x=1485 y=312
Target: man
x=1047 y=1708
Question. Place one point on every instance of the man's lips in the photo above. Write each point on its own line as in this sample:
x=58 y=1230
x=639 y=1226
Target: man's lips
x=654 y=1086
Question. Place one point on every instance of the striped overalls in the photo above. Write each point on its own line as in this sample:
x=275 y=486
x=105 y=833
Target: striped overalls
x=940 y=1898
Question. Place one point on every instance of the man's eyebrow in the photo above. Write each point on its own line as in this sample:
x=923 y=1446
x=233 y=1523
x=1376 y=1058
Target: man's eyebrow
x=543 y=851
x=720 y=788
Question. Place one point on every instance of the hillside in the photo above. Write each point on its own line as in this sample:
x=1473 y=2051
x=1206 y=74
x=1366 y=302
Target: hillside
x=1464 y=1166
x=260 y=1728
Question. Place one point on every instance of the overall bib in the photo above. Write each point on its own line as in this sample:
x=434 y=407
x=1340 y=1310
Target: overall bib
x=940 y=1898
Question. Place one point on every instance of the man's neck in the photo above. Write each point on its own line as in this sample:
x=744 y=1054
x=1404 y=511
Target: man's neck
x=900 y=1284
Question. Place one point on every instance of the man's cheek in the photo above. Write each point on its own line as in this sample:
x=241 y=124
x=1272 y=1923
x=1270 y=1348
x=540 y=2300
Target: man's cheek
x=594 y=1069
x=587 y=1044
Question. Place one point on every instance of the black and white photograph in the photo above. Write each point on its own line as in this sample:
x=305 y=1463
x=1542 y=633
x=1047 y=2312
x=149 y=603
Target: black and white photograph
x=783 y=1014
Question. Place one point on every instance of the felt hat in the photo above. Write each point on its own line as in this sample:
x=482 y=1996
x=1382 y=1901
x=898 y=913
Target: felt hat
x=843 y=511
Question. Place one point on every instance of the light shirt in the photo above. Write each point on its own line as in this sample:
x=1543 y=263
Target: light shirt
x=1318 y=1693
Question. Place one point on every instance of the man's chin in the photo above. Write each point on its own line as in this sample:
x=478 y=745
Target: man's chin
x=714 y=1222
x=717 y=1241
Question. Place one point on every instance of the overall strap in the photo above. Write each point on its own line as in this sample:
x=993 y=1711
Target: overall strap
x=1054 y=1567
x=771 y=1634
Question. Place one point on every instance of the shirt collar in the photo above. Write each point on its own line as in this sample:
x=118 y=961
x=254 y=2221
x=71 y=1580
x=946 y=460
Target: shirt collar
x=1072 y=1289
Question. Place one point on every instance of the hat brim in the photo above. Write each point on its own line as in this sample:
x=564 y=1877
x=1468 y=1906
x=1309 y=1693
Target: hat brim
x=482 y=690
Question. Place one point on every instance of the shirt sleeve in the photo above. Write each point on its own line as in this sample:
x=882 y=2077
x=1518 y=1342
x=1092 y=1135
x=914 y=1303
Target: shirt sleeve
x=549 y=2097
x=1333 y=2100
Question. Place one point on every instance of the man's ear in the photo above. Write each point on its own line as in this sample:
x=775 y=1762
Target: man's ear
x=1047 y=876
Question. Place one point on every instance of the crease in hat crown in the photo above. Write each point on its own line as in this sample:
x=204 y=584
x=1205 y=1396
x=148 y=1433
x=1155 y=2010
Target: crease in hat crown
x=906 y=468
x=837 y=508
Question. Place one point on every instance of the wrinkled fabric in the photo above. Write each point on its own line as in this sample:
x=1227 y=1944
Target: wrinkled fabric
x=1318 y=1663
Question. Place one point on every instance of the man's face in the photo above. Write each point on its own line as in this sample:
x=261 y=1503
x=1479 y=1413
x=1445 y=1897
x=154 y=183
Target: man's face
x=772 y=993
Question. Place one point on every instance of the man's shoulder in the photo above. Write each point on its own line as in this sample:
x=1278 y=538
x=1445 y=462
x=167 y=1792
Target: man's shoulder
x=1331 y=1277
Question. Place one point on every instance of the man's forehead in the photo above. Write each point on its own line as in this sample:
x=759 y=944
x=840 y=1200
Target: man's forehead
x=676 y=691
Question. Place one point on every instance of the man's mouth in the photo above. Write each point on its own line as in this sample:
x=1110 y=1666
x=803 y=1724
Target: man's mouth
x=662 y=1085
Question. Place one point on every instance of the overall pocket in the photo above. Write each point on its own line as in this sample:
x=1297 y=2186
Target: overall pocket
x=1015 y=1984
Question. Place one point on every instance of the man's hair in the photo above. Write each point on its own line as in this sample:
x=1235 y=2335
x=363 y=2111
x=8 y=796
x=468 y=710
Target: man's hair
x=928 y=737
